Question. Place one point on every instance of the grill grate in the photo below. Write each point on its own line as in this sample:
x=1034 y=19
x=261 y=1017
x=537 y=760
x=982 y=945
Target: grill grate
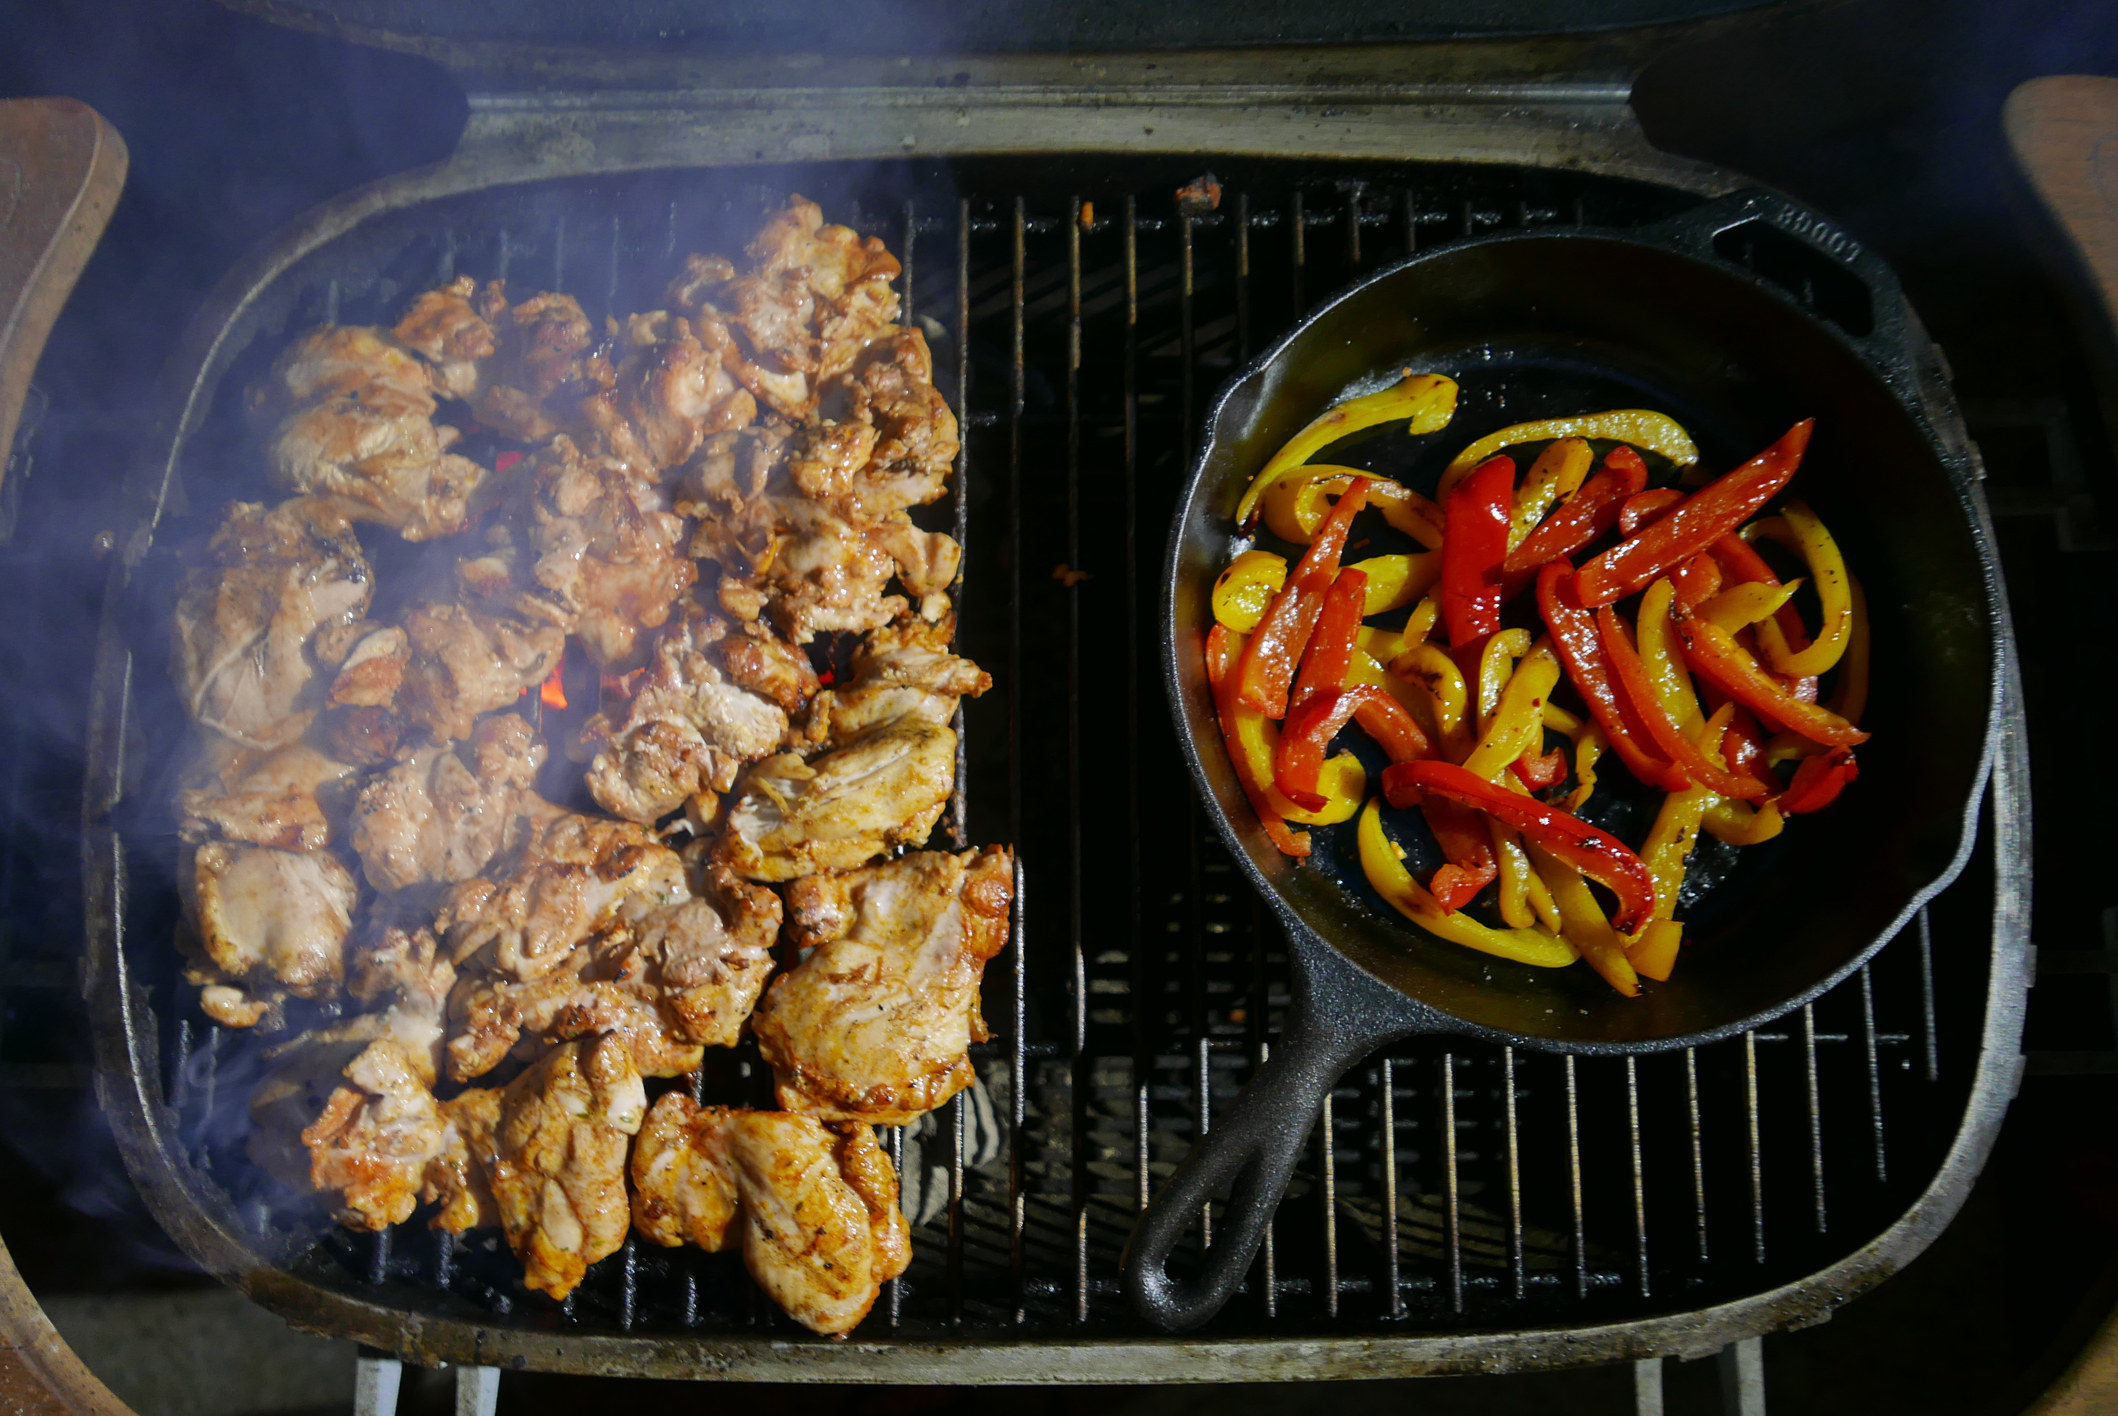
x=1082 y=322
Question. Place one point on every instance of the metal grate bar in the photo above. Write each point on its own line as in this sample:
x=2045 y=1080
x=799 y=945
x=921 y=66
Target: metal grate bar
x=1451 y=1189
x=1816 y=1112
x=1573 y=1159
x=1391 y=1261
x=1194 y=899
x=1632 y=1117
x=1328 y=1196
x=1928 y=1034
x=1869 y=1043
x=1518 y=1258
x=1260 y=1050
x=1698 y=1147
x=1757 y=1154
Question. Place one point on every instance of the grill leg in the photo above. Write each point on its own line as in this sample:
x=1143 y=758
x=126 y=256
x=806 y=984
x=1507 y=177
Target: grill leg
x=1647 y=1387
x=478 y=1391
x=1742 y=1378
x=376 y=1377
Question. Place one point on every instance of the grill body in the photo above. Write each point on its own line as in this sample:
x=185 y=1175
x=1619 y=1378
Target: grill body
x=1465 y=1207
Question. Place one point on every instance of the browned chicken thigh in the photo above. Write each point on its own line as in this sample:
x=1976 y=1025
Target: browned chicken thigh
x=439 y=814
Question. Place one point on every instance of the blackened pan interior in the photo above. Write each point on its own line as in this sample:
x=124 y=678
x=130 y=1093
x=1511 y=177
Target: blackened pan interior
x=1537 y=325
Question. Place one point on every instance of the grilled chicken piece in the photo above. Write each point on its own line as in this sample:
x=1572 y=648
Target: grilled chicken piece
x=375 y=1138
x=671 y=393
x=873 y=1024
x=444 y=328
x=562 y=882
x=287 y=798
x=455 y=1177
x=244 y=621
x=368 y=661
x=271 y=917
x=440 y=814
x=668 y=980
x=820 y=1227
x=353 y=420
x=889 y=440
x=885 y=774
x=683 y=1183
x=594 y=551
x=709 y=702
x=556 y=1169
x=544 y=365
x=466 y=662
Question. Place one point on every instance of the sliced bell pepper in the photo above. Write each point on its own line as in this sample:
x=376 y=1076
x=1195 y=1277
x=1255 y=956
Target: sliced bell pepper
x=1246 y=587
x=1667 y=733
x=1365 y=668
x=1297 y=503
x=1475 y=516
x=1705 y=517
x=1383 y=864
x=1516 y=724
x=1270 y=658
x=1784 y=634
x=1496 y=665
x=1746 y=604
x=1427 y=400
x=1818 y=781
x=1580 y=646
x=1586 y=927
x=1655 y=954
x=1798 y=528
x=1593 y=511
x=1553 y=478
x=1396 y=581
x=1536 y=773
x=1667 y=849
x=1330 y=650
x=1430 y=667
x=1850 y=699
x=1471 y=862
x=1663 y=657
x=1715 y=656
x=1317 y=719
x=1643 y=507
x=1253 y=742
x=1697 y=580
x=1739 y=824
x=1597 y=854
x=1222 y=654
x=1656 y=432
x=1515 y=910
x=1743 y=748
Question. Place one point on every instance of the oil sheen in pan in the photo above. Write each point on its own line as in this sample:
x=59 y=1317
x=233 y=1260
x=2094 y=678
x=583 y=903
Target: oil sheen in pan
x=1501 y=385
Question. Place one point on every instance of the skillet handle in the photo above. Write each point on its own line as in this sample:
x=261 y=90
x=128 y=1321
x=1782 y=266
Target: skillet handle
x=1338 y=1016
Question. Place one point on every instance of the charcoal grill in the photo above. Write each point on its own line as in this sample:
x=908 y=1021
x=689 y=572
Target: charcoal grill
x=1465 y=1207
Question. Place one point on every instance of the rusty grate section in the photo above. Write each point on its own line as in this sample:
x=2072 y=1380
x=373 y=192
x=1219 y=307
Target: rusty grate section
x=1081 y=321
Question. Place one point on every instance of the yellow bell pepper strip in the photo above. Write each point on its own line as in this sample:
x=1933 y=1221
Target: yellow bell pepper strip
x=1580 y=646
x=1246 y=587
x=1383 y=864
x=1428 y=401
x=1396 y=581
x=1667 y=849
x=1475 y=516
x=1655 y=954
x=1746 y=604
x=1818 y=781
x=1703 y=518
x=1739 y=824
x=1656 y=432
x=1798 y=528
x=1253 y=746
x=1330 y=651
x=1850 y=699
x=1592 y=512
x=1589 y=743
x=1269 y=659
x=1666 y=733
x=1785 y=634
x=1419 y=627
x=1663 y=658
x=1515 y=876
x=1299 y=501
x=1586 y=928
x=1317 y=719
x=1553 y=478
x=1643 y=507
x=1429 y=666
x=1516 y=724
x=1363 y=667
x=1598 y=854
x=1717 y=658
x=1496 y=665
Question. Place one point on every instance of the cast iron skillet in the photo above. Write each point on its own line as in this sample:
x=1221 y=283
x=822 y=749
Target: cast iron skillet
x=1540 y=323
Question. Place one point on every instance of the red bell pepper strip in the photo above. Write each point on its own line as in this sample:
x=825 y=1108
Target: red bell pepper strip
x=1580 y=646
x=1331 y=644
x=1463 y=839
x=1666 y=732
x=1596 y=854
x=1744 y=746
x=1642 y=508
x=1474 y=543
x=1705 y=517
x=1697 y=580
x=1221 y=668
x=1716 y=657
x=1742 y=562
x=1537 y=773
x=1818 y=781
x=1312 y=723
x=1592 y=511
x=1274 y=650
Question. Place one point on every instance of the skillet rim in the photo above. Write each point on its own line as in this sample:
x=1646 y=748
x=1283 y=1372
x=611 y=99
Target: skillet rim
x=1895 y=331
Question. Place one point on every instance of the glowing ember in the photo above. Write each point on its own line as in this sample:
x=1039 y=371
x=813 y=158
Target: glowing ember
x=553 y=693
x=504 y=461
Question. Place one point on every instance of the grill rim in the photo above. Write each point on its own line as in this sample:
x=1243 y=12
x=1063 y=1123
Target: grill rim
x=125 y=1029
